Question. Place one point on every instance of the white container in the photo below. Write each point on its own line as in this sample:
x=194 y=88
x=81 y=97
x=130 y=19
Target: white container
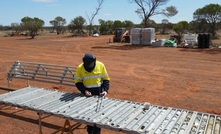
x=142 y=36
x=159 y=43
x=136 y=36
x=148 y=36
x=190 y=38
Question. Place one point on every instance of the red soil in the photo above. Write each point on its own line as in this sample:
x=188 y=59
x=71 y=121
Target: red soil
x=172 y=77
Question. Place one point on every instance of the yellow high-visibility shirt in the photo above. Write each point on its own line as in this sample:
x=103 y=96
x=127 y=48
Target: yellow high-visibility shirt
x=91 y=79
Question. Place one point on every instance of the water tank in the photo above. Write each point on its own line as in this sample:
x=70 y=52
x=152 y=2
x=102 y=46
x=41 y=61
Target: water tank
x=148 y=36
x=204 y=40
x=142 y=36
x=136 y=36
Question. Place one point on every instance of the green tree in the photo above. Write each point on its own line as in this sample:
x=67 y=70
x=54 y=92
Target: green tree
x=118 y=24
x=106 y=27
x=181 y=27
x=128 y=24
x=164 y=23
x=149 y=23
x=77 y=25
x=58 y=24
x=32 y=25
x=199 y=26
x=16 y=27
x=212 y=14
x=149 y=8
x=1 y=27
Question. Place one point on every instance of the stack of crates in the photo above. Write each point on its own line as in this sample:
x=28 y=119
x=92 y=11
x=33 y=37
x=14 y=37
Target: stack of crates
x=136 y=36
x=142 y=36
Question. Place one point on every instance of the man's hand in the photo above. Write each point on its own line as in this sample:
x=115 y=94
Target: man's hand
x=87 y=93
x=103 y=94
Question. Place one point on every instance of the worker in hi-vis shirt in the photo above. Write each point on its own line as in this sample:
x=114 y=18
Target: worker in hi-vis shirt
x=91 y=78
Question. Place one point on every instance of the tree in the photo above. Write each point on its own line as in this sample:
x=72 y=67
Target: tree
x=164 y=22
x=212 y=14
x=58 y=24
x=106 y=27
x=180 y=28
x=1 y=27
x=32 y=25
x=77 y=26
x=118 y=24
x=149 y=8
x=128 y=24
x=149 y=23
x=16 y=27
x=91 y=19
x=199 y=26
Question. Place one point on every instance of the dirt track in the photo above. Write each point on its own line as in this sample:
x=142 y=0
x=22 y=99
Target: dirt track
x=174 y=77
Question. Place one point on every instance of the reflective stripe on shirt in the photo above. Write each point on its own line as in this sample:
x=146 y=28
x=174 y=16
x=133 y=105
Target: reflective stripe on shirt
x=91 y=79
x=93 y=86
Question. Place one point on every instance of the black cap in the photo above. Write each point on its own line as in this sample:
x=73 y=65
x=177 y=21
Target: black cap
x=89 y=60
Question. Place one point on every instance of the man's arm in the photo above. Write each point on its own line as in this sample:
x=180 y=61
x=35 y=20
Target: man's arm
x=80 y=86
x=106 y=85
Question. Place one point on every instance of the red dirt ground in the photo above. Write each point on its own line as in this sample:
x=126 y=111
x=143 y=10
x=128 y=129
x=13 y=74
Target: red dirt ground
x=173 y=77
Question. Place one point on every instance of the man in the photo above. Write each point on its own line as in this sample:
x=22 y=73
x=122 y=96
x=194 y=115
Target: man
x=91 y=78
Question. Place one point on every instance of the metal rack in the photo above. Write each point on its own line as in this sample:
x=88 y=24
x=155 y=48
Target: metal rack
x=48 y=73
x=113 y=114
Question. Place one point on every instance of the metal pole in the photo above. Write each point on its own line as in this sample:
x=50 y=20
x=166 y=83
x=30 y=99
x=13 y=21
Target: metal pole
x=8 y=89
x=39 y=121
x=98 y=102
x=9 y=83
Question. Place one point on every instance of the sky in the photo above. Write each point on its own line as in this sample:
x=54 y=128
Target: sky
x=12 y=11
